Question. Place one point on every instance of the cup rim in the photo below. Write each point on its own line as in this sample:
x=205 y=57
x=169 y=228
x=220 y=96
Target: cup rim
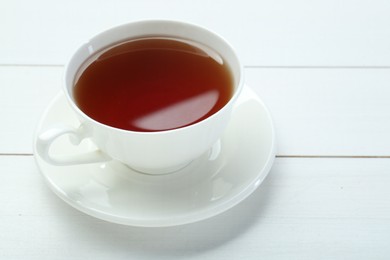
x=237 y=87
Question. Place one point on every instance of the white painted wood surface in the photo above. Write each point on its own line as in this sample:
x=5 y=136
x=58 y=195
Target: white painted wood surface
x=306 y=209
x=323 y=69
x=266 y=33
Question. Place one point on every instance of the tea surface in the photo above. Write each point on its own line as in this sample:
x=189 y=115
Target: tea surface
x=153 y=84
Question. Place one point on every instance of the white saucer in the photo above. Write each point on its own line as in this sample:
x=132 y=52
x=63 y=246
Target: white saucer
x=209 y=185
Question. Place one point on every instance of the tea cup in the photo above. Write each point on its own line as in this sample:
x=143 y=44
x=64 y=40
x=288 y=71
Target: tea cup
x=157 y=152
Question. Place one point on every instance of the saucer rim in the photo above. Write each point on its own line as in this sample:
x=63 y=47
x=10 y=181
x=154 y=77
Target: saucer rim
x=181 y=219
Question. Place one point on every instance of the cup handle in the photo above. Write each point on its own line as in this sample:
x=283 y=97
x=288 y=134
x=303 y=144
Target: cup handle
x=76 y=135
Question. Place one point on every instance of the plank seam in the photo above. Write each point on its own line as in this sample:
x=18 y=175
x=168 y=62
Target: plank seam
x=336 y=156
x=277 y=156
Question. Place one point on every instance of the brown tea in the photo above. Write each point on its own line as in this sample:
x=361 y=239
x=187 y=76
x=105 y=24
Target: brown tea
x=153 y=84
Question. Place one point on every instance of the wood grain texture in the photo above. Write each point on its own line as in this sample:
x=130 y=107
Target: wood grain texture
x=266 y=33
x=306 y=209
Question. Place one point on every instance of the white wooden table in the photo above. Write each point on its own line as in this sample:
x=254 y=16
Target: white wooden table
x=322 y=67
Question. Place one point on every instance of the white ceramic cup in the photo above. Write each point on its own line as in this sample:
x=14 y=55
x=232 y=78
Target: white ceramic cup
x=149 y=152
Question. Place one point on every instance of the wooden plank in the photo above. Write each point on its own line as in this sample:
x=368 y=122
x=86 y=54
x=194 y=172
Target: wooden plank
x=265 y=33
x=315 y=111
x=305 y=209
x=327 y=111
x=26 y=91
